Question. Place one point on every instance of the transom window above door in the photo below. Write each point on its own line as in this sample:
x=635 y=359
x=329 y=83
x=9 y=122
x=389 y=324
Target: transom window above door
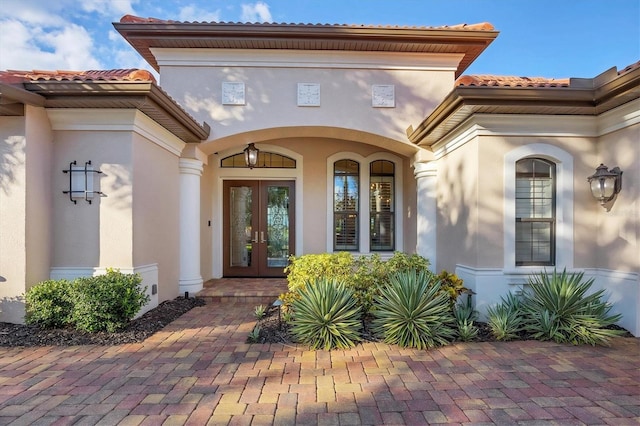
x=266 y=160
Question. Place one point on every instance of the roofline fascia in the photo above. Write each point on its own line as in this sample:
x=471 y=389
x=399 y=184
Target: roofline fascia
x=122 y=88
x=20 y=95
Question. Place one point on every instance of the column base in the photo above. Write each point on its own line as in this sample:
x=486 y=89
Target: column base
x=192 y=285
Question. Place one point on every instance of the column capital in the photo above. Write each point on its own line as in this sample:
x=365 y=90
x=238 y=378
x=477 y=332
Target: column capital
x=190 y=166
x=425 y=169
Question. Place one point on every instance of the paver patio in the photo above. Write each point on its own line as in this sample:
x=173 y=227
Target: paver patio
x=199 y=370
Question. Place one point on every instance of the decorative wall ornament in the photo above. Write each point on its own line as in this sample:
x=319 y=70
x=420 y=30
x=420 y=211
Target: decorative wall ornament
x=233 y=93
x=383 y=96
x=308 y=94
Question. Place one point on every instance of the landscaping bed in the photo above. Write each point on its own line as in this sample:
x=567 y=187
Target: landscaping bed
x=15 y=335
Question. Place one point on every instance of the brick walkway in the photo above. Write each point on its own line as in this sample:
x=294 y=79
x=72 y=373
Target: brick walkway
x=199 y=370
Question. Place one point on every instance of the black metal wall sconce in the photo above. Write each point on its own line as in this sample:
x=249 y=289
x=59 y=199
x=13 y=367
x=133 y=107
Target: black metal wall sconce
x=251 y=155
x=81 y=182
x=605 y=183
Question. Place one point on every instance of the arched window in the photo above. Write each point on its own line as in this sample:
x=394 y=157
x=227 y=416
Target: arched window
x=382 y=205
x=535 y=196
x=346 y=202
x=267 y=160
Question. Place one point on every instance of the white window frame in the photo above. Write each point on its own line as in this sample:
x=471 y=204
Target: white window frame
x=564 y=203
x=363 y=209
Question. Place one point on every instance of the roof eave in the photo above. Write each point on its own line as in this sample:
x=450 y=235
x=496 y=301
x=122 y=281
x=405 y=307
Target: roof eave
x=145 y=96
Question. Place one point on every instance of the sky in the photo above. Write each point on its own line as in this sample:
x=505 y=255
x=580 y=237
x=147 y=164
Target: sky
x=538 y=38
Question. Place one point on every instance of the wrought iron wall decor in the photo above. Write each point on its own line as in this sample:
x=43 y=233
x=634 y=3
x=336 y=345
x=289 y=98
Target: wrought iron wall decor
x=81 y=182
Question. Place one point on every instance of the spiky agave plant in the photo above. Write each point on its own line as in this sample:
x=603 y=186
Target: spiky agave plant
x=559 y=307
x=326 y=316
x=465 y=320
x=506 y=319
x=412 y=312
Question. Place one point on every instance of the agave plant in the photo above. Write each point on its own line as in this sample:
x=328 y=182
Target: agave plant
x=465 y=317
x=326 y=316
x=559 y=308
x=412 y=312
x=506 y=319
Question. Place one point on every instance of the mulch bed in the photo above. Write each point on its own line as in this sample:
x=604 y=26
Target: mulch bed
x=21 y=335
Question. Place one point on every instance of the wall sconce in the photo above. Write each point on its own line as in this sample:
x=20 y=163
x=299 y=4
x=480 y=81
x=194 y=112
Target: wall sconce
x=251 y=155
x=81 y=182
x=605 y=183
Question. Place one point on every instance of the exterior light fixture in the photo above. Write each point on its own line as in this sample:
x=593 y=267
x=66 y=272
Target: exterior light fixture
x=251 y=155
x=605 y=183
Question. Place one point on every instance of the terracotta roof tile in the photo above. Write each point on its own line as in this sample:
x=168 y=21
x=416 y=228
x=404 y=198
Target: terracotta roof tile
x=629 y=68
x=510 y=81
x=131 y=74
x=131 y=19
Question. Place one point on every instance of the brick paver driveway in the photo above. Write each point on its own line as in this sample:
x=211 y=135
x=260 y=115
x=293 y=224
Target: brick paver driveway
x=199 y=370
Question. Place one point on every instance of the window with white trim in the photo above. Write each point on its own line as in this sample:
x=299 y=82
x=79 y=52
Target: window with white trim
x=382 y=205
x=346 y=205
x=535 y=197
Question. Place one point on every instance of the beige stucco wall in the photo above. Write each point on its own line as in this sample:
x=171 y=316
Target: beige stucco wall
x=97 y=234
x=39 y=151
x=13 y=207
x=618 y=233
x=155 y=210
x=271 y=97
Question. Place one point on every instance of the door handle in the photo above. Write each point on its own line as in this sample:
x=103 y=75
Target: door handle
x=255 y=239
x=262 y=240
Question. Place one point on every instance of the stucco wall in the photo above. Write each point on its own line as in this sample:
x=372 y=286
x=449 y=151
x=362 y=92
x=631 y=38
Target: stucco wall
x=619 y=224
x=97 y=234
x=12 y=217
x=156 y=230
x=271 y=97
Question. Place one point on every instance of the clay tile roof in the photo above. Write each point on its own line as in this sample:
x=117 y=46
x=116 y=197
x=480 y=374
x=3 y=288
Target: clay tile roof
x=629 y=68
x=510 y=81
x=131 y=19
x=131 y=74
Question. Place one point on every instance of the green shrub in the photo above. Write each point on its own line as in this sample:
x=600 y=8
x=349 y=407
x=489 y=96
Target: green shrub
x=452 y=285
x=326 y=315
x=558 y=308
x=411 y=311
x=49 y=303
x=506 y=318
x=364 y=275
x=107 y=302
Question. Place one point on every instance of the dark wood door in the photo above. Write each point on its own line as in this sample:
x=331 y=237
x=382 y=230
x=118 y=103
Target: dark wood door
x=258 y=227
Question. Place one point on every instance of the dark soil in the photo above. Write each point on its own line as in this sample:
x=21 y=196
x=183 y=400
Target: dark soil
x=274 y=330
x=138 y=329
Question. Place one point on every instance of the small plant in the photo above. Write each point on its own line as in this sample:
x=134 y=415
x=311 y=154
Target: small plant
x=452 y=285
x=412 y=312
x=254 y=335
x=506 y=319
x=326 y=316
x=107 y=302
x=49 y=303
x=259 y=311
x=465 y=317
x=558 y=308
x=287 y=316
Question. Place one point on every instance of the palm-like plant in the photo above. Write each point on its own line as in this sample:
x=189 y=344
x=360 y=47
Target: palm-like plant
x=465 y=320
x=506 y=318
x=559 y=308
x=412 y=312
x=326 y=316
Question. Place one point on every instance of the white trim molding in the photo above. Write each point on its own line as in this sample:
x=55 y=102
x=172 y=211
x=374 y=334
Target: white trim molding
x=426 y=175
x=112 y=120
x=148 y=273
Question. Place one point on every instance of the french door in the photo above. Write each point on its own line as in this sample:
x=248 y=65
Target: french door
x=258 y=227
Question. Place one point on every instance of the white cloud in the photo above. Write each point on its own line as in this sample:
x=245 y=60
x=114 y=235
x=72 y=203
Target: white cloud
x=192 y=14
x=256 y=12
x=109 y=7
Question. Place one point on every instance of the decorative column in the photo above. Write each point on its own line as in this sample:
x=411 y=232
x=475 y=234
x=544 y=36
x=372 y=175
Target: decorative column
x=190 y=277
x=426 y=178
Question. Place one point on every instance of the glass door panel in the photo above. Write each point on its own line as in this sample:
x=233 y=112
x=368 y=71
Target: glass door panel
x=258 y=227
